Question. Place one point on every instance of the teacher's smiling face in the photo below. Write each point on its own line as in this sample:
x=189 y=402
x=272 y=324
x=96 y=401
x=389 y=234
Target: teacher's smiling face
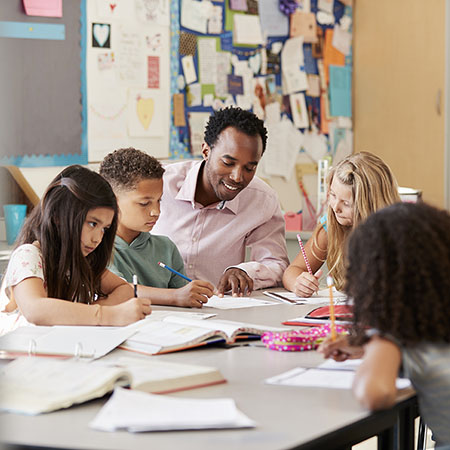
x=230 y=165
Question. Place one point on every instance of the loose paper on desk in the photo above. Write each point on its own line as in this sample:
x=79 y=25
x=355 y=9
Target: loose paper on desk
x=161 y=314
x=273 y=21
x=321 y=296
x=230 y=302
x=322 y=378
x=138 y=412
x=283 y=144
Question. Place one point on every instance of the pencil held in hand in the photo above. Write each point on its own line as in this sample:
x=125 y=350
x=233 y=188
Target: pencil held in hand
x=332 y=316
x=304 y=254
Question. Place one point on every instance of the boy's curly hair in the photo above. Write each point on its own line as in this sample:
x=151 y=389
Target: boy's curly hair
x=398 y=273
x=126 y=167
x=244 y=121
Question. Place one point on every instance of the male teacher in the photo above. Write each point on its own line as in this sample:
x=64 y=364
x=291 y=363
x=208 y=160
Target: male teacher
x=215 y=208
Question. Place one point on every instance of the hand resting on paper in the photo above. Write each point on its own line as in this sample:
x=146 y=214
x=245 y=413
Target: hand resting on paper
x=340 y=349
x=307 y=284
x=194 y=294
x=237 y=281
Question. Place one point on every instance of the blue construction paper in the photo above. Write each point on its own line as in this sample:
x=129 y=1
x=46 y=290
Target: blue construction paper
x=309 y=61
x=29 y=30
x=340 y=89
x=226 y=41
x=273 y=21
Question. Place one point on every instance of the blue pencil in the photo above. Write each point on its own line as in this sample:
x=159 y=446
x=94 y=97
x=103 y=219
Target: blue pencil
x=174 y=271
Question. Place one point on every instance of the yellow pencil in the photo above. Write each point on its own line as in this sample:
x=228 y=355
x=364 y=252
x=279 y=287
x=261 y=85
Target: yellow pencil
x=332 y=316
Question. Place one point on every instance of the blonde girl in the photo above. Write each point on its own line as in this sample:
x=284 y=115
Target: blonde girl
x=358 y=186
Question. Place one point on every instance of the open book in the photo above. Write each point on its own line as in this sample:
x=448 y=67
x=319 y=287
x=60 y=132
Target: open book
x=178 y=333
x=34 y=385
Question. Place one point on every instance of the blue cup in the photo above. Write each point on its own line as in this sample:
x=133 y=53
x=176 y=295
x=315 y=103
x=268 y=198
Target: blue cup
x=14 y=219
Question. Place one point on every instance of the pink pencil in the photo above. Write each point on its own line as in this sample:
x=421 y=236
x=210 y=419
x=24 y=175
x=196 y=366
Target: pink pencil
x=304 y=253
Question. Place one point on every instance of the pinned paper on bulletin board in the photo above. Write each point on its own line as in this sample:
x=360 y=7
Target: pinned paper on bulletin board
x=43 y=8
x=142 y=120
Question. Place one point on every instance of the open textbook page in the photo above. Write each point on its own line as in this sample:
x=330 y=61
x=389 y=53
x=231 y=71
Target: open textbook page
x=177 y=333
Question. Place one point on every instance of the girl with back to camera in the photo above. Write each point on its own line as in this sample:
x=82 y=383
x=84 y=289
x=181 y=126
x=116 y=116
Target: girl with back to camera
x=57 y=274
x=398 y=279
x=358 y=186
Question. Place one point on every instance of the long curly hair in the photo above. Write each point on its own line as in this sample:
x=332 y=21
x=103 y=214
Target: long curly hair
x=57 y=222
x=398 y=273
x=373 y=186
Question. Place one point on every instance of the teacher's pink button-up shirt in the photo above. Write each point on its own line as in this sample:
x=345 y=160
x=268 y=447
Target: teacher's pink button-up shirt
x=212 y=238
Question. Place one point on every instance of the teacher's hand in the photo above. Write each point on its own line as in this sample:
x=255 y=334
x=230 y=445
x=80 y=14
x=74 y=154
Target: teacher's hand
x=237 y=281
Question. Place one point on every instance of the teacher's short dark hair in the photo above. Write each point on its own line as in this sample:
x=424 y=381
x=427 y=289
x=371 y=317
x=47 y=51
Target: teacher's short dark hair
x=244 y=121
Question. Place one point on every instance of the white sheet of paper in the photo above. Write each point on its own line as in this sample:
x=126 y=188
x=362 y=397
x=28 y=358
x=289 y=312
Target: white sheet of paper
x=335 y=379
x=342 y=40
x=230 y=302
x=194 y=15
x=283 y=144
x=315 y=145
x=247 y=29
x=197 y=123
x=273 y=113
x=195 y=94
x=207 y=60
x=190 y=74
x=215 y=20
x=321 y=296
x=130 y=58
x=223 y=69
x=292 y=58
x=326 y=5
x=139 y=411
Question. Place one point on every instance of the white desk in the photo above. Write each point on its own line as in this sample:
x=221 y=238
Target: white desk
x=287 y=417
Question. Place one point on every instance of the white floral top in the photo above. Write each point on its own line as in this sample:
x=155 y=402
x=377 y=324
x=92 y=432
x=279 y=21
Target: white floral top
x=25 y=262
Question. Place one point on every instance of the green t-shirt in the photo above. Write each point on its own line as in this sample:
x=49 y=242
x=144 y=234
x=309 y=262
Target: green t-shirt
x=141 y=257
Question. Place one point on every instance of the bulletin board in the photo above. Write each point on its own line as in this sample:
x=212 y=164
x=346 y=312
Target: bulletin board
x=273 y=57
x=41 y=112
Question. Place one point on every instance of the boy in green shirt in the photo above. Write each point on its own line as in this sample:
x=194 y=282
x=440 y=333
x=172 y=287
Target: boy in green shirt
x=136 y=179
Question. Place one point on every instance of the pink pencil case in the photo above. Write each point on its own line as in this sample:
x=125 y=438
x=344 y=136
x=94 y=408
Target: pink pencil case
x=298 y=340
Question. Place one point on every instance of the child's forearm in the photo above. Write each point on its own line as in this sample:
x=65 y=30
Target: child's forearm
x=118 y=295
x=158 y=296
x=52 y=311
x=290 y=275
